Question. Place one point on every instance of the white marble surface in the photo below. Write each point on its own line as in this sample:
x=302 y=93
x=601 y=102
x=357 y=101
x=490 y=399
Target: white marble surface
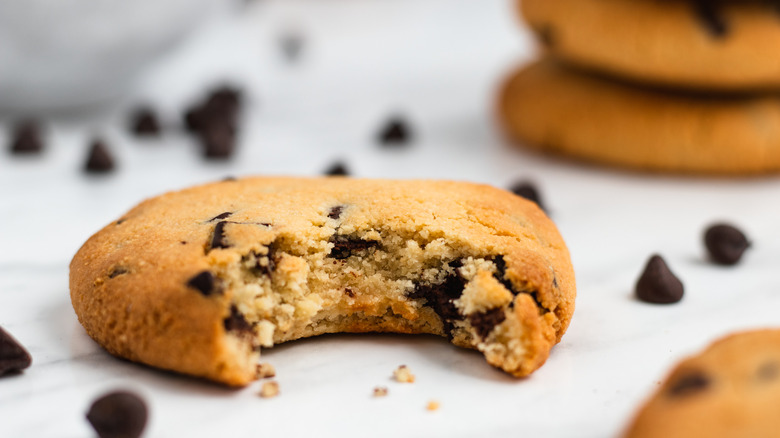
x=438 y=62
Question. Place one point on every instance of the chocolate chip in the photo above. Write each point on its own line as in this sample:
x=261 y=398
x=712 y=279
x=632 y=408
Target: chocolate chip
x=527 y=190
x=725 y=244
x=144 y=123
x=26 y=138
x=269 y=267
x=193 y=119
x=237 y=323
x=337 y=169
x=218 y=238
x=395 y=132
x=348 y=292
x=769 y=371
x=220 y=216
x=500 y=274
x=13 y=357
x=218 y=140
x=658 y=284
x=215 y=121
x=117 y=271
x=119 y=414
x=99 y=160
x=344 y=246
x=335 y=212
x=441 y=298
x=485 y=322
x=455 y=264
x=204 y=282
x=709 y=14
x=689 y=383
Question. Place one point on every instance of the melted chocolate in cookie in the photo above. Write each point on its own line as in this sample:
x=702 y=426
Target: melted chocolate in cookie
x=485 y=322
x=708 y=12
x=204 y=282
x=237 y=323
x=441 y=298
x=344 y=246
x=117 y=271
x=336 y=211
x=690 y=383
x=218 y=239
x=220 y=216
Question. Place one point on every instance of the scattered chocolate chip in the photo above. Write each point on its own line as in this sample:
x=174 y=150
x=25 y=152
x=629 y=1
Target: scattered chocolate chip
x=335 y=212
x=769 y=371
x=291 y=45
x=441 y=298
x=26 y=138
x=221 y=216
x=218 y=140
x=144 y=123
x=215 y=121
x=658 y=284
x=236 y=322
x=337 y=169
x=709 y=14
x=119 y=414
x=348 y=292
x=394 y=133
x=344 y=246
x=13 y=357
x=725 y=244
x=689 y=383
x=117 y=271
x=527 y=190
x=99 y=160
x=485 y=322
x=218 y=239
x=204 y=282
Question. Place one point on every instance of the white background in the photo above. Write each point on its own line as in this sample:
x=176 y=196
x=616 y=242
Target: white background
x=439 y=63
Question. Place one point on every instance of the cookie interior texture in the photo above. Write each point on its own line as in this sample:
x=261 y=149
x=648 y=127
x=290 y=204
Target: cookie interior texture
x=197 y=281
x=732 y=389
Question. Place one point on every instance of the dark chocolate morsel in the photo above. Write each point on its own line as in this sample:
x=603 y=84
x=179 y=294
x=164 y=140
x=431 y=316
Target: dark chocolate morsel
x=237 y=323
x=117 y=271
x=26 y=138
x=348 y=291
x=658 y=284
x=119 y=414
x=709 y=14
x=485 y=322
x=99 y=160
x=204 y=282
x=344 y=246
x=220 y=216
x=218 y=239
x=337 y=169
x=441 y=298
x=689 y=383
x=219 y=140
x=145 y=124
x=335 y=212
x=395 y=132
x=266 y=269
x=13 y=357
x=193 y=119
x=527 y=190
x=500 y=274
x=725 y=244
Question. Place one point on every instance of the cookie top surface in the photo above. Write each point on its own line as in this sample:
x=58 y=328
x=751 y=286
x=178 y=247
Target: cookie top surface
x=685 y=44
x=732 y=389
x=136 y=282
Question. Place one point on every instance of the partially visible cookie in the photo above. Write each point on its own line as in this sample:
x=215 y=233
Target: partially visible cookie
x=732 y=389
x=691 y=44
x=554 y=108
x=197 y=281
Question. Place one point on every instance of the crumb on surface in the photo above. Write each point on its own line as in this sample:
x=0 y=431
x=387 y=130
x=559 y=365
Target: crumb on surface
x=433 y=405
x=380 y=391
x=269 y=389
x=403 y=375
x=265 y=370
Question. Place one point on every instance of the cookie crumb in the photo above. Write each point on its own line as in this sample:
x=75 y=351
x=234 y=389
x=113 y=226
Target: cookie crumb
x=433 y=405
x=265 y=370
x=269 y=389
x=380 y=391
x=403 y=375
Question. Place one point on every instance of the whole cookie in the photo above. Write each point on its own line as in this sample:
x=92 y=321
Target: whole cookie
x=197 y=281
x=553 y=108
x=732 y=389
x=699 y=44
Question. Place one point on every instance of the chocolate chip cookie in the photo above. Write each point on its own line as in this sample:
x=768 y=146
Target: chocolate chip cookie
x=197 y=281
x=690 y=44
x=732 y=389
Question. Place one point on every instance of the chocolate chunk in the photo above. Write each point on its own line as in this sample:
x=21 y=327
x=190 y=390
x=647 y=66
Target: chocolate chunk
x=218 y=140
x=26 y=138
x=658 y=284
x=348 y=292
x=769 y=371
x=270 y=266
x=119 y=414
x=99 y=160
x=394 y=133
x=485 y=322
x=709 y=14
x=337 y=169
x=291 y=45
x=344 y=247
x=689 y=383
x=13 y=357
x=145 y=124
x=455 y=264
x=500 y=274
x=193 y=119
x=527 y=190
x=204 y=282
x=441 y=298
x=218 y=238
x=220 y=216
x=117 y=271
x=725 y=244
x=237 y=323
x=335 y=212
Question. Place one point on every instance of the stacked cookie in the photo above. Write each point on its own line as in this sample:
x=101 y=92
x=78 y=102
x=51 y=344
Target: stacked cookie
x=684 y=86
